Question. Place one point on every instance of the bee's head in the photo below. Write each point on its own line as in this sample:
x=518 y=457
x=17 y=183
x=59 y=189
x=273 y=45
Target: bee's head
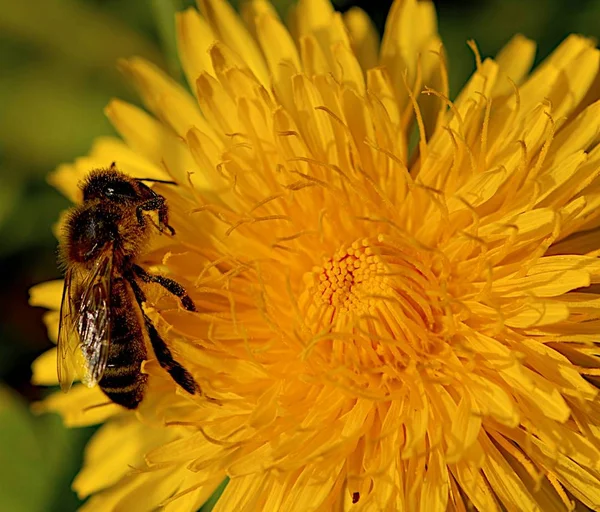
x=112 y=185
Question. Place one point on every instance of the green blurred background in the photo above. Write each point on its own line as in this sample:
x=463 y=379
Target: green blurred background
x=57 y=72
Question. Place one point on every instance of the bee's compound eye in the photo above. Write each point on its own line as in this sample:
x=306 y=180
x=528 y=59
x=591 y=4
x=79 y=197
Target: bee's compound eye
x=119 y=191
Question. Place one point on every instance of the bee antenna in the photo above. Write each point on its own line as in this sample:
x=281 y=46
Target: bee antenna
x=156 y=181
x=95 y=406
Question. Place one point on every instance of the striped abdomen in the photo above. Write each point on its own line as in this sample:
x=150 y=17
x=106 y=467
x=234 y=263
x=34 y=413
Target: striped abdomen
x=123 y=382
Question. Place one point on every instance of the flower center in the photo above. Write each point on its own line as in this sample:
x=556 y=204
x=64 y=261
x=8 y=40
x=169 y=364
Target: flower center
x=373 y=310
x=354 y=279
x=385 y=280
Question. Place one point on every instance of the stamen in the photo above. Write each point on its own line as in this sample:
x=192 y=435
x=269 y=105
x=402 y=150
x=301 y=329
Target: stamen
x=484 y=135
x=420 y=123
x=252 y=220
x=451 y=106
x=473 y=45
x=265 y=201
x=334 y=117
x=555 y=482
x=545 y=148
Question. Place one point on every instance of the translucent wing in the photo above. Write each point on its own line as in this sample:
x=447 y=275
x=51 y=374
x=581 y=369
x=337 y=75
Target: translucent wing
x=84 y=332
x=93 y=323
x=68 y=338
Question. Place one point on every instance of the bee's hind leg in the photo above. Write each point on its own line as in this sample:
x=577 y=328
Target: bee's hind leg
x=163 y=354
x=168 y=284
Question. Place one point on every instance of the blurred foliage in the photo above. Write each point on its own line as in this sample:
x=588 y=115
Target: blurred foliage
x=38 y=458
x=57 y=72
x=492 y=23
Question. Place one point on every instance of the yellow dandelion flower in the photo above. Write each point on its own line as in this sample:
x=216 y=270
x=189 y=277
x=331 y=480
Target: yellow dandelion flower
x=380 y=327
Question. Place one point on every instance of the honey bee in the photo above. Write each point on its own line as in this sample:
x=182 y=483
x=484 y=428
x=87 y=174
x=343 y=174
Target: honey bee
x=103 y=330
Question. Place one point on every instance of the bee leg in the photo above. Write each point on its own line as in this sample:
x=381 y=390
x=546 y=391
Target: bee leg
x=168 y=284
x=156 y=203
x=163 y=354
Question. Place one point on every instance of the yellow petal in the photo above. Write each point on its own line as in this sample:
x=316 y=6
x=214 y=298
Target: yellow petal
x=201 y=490
x=66 y=178
x=149 y=137
x=168 y=100
x=416 y=424
x=274 y=492
x=363 y=36
x=348 y=70
x=557 y=182
x=541 y=395
x=140 y=491
x=194 y=446
x=478 y=189
x=235 y=496
x=493 y=400
x=432 y=61
x=357 y=117
x=47 y=295
x=315 y=126
x=141 y=132
x=469 y=101
x=206 y=155
x=313 y=15
x=548 y=284
x=194 y=38
x=108 y=459
x=252 y=10
x=43 y=369
x=379 y=83
x=106 y=148
x=544 y=493
x=281 y=55
x=466 y=424
x=217 y=105
x=52 y=320
x=538 y=312
x=228 y=27
x=573 y=82
x=551 y=75
x=564 y=262
x=276 y=44
x=530 y=224
x=318 y=22
x=105 y=151
x=580 y=134
x=506 y=484
x=80 y=407
x=233 y=73
x=581 y=214
x=475 y=486
x=313 y=58
x=582 y=483
x=311 y=488
x=434 y=493
x=515 y=61
x=577 y=243
x=409 y=26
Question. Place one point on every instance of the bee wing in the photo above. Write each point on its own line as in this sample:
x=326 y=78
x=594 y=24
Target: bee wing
x=93 y=323
x=84 y=329
x=68 y=338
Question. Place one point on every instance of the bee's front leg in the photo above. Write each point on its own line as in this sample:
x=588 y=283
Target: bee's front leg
x=157 y=204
